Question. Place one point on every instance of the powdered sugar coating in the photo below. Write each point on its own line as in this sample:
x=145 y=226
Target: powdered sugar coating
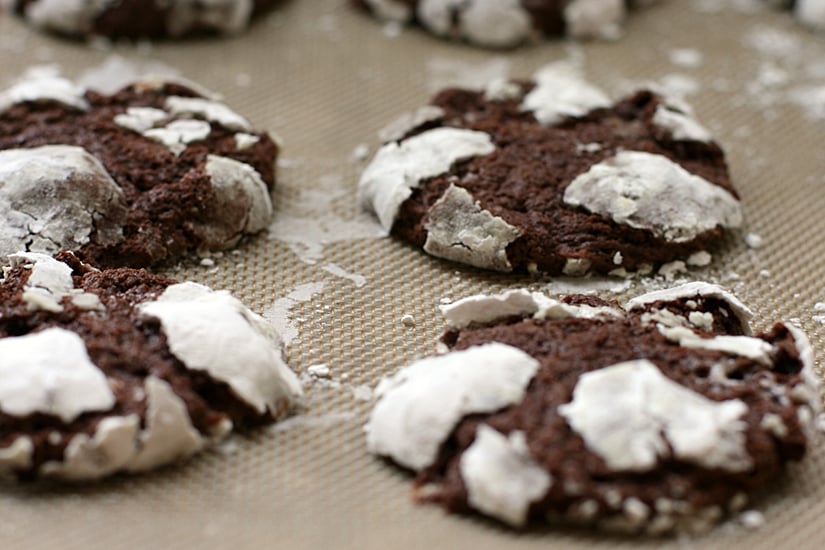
x=421 y=404
x=696 y=289
x=213 y=332
x=397 y=168
x=678 y=118
x=652 y=192
x=650 y=417
x=241 y=203
x=49 y=281
x=55 y=197
x=502 y=479
x=44 y=87
x=459 y=229
x=208 y=109
x=485 y=309
x=50 y=372
x=561 y=92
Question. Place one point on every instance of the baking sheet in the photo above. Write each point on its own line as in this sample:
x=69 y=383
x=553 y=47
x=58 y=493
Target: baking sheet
x=325 y=79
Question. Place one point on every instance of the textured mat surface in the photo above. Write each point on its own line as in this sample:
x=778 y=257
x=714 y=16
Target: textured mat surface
x=325 y=79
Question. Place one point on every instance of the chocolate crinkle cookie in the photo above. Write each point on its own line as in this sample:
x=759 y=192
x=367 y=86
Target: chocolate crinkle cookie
x=550 y=176
x=141 y=177
x=508 y=23
x=139 y=18
x=663 y=415
x=123 y=371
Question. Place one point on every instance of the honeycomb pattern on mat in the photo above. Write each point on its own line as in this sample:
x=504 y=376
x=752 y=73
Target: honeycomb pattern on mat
x=325 y=79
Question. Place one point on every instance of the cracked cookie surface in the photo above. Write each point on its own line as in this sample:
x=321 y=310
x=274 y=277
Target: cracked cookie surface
x=123 y=371
x=136 y=178
x=663 y=414
x=550 y=176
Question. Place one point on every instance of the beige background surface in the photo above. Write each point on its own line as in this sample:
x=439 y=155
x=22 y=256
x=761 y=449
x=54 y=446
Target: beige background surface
x=325 y=80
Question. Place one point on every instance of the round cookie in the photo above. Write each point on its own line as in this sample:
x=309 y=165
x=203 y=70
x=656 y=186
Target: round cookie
x=508 y=23
x=550 y=176
x=662 y=415
x=123 y=371
x=137 y=178
x=139 y=18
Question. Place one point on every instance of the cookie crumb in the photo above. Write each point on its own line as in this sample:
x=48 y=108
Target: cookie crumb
x=752 y=519
x=318 y=371
x=360 y=153
x=700 y=259
x=754 y=241
x=408 y=321
x=686 y=57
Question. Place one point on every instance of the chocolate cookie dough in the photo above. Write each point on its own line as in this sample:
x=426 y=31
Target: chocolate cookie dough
x=508 y=23
x=661 y=415
x=123 y=371
x=549 y=175
x=134 y=179
x=139 y=18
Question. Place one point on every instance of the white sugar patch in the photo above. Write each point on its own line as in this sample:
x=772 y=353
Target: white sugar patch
x=358 y=280
x=445 y=72
x=311 y=223
x=679 y=85
x=686 y=57
x=590 y=286
x=116 y=72
x=305 y=422
x=773 y=42
x=280 y=314
x=361 y=392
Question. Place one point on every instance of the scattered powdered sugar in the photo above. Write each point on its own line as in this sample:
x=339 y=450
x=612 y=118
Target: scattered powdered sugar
x=358 y=280
x=789 y=71
x=773 y=42
x=116 y=72
x=587 y=285
x=307 y=380
x=685 y=57
x=280 y=314
x=446 y=72
x=752 y=519
x=754 y=241
x=304 y=422
x=361 y=392
x=679 y=85
x=360 y=153
x=819 y=308
x=318 y=371
x=311 y=222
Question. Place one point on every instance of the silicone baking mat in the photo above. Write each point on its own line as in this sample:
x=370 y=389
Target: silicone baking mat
x=326 y=79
